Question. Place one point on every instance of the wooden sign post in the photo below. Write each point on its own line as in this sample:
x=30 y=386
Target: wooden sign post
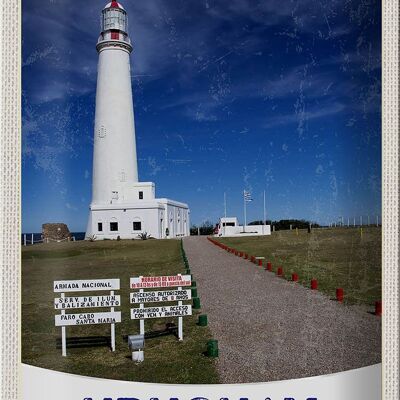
x=89 y=301
x=180 y=310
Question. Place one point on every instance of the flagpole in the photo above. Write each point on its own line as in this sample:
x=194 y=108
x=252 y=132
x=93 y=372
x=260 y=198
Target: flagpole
x=264 y=221
x=244 y=206
x=225 y=204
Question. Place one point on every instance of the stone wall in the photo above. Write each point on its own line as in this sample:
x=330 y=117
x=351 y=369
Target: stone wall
x=55 y=232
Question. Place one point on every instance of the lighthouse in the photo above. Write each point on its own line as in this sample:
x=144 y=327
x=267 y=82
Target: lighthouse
x=121 y=206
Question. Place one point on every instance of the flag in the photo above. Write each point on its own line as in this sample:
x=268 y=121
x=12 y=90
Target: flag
x=247 y=196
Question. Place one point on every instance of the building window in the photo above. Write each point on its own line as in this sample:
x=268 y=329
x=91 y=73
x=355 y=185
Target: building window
x=140 y=195
x=100 y=226
x=137 y=226
x=113 y=226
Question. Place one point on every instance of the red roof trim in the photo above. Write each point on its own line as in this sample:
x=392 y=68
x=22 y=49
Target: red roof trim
x=114 y=4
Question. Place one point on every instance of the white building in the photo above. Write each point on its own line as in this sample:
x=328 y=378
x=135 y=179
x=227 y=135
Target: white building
x=229 y=226
x=121 y=206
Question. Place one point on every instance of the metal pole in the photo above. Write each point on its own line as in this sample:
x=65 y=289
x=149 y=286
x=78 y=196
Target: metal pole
x=244 y=206
x=265 y=217
x=225 y=204
x=180 y=321
x=377 y=220
x=142 y=320
x=63 y=333
x=24 y=239
x=112 y=328
x=361 y=221
x=32 y=239
x=348 y=222
x=354 y=222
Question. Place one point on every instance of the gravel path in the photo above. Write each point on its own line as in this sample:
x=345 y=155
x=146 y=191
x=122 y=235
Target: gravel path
x=270 y=329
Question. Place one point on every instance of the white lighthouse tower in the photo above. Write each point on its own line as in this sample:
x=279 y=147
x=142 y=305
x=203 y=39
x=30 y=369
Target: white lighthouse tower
x=121 y=206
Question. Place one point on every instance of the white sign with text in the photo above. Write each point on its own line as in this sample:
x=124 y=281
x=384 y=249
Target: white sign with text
x=159 y=296
x=64 y=304
x=88 y=318
x=147 y=282
x=86 y=285
x=67 y=303
x=161 y=312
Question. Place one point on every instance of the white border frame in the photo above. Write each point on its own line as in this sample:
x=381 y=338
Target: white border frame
x=390 y=199
x=10 y=198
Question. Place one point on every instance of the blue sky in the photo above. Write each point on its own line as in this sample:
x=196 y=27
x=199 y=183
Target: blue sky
x=282 y=96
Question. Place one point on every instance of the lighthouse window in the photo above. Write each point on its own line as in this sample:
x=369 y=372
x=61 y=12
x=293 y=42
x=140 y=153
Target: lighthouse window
x=113 y=226
x=100 y=227
x=137 y=226
x=140 y=195
x=114 y=19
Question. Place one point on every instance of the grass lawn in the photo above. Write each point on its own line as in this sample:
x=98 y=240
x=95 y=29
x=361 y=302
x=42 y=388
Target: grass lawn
x=166 y=359
x=338 y=257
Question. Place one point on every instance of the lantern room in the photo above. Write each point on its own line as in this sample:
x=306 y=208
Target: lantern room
x=114 y=18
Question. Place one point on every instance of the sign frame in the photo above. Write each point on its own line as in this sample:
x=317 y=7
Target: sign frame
x=153 y=282
x=86 y=285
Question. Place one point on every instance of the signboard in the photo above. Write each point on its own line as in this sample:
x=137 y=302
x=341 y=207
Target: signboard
x=147 y=282
x=159 y=296
x=68 y=303
x=161 y=312
x=88 y=318
x=86 y=285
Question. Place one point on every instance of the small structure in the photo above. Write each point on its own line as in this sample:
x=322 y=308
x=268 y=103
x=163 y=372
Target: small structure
x=229 y=226
x=57 y=232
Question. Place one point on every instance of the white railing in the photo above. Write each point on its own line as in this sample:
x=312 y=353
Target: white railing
x=27 y=242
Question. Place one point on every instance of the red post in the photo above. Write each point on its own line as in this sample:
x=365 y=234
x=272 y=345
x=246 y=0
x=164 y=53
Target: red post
x=378 y=308
x=295 y=277
x=269 y=266
x=246 y=256
x=280 y=271
x=339 y=294
x=260 y=262
x=314 y=284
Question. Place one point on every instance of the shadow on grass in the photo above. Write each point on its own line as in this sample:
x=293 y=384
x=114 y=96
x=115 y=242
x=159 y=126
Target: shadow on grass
x=170 y=329
x=87 y=341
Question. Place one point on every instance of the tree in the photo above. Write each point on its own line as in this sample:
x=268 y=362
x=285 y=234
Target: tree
x=193 y=230
x=207 y=228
